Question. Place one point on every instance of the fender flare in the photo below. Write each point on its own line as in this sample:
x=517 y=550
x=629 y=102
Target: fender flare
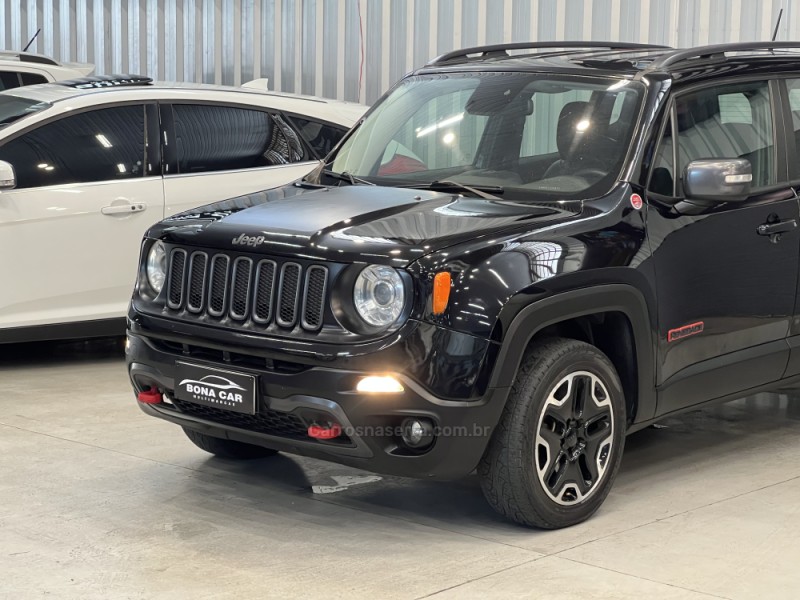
x=621 y=298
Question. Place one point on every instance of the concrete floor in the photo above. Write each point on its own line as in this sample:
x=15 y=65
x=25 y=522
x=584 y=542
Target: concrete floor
x=99 y=501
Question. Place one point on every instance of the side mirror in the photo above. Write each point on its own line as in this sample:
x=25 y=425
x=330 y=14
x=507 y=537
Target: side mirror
x=718 y=179
x=8 y=179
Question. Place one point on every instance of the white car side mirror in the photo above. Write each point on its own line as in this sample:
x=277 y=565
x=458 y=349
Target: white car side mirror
x=8 y=179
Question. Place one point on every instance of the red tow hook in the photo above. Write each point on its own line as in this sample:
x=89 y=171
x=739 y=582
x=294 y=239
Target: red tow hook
x=151 y=396
x=329 y=432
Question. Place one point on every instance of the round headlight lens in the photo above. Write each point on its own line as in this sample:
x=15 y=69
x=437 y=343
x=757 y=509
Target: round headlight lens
x=379 y=295
x=156 y=266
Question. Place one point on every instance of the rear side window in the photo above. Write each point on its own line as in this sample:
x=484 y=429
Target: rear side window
x=221 y=138
x=32 y=78
x=12 y=79
x=321 y=137
x=8 y=80
x=100 y=145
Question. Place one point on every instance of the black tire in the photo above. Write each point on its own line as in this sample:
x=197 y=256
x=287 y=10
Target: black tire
x=517 y=475
x=229 y=449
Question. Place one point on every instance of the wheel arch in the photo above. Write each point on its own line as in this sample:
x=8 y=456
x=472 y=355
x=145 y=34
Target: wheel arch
x=535 y=318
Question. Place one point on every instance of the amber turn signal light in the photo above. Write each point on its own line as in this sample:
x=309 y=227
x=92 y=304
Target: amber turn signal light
x=441 y=292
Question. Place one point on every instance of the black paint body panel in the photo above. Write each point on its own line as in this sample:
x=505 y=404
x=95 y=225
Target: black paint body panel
x=518 y=269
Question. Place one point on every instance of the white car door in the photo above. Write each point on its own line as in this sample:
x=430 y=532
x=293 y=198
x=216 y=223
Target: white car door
x=71 y=230
x=215 y=152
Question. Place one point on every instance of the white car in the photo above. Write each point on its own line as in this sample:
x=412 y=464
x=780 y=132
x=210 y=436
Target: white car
x=86 y=166
x=24 y=68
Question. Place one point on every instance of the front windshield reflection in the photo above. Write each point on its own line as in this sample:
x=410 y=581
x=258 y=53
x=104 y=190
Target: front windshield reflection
x=524 y=134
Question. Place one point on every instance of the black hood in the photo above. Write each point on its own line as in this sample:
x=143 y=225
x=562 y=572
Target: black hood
x=375 y=224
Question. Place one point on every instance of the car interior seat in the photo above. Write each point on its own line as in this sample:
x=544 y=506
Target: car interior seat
x=577 y=142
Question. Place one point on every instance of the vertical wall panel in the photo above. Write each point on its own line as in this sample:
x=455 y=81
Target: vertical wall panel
x=352 y=49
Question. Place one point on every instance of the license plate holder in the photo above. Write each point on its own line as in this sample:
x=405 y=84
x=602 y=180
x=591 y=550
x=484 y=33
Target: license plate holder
x=216 y=388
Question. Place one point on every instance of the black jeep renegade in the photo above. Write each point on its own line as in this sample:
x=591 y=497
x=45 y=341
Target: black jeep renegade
x=522 y=253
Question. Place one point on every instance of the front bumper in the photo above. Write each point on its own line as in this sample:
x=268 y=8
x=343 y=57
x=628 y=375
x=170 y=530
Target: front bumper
x=290 y=398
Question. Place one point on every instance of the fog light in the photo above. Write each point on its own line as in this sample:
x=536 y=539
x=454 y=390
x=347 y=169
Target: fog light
x=417 y=433
x=383 y=384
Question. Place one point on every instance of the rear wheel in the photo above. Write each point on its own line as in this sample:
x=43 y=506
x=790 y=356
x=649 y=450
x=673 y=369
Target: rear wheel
x=229 y=449
x=554 y=455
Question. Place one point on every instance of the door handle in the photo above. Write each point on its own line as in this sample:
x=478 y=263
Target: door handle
x=775 y=229
x=123 y=209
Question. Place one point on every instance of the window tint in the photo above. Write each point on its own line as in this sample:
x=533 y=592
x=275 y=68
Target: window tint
x=733 y=121
x=32 y=78
x=320 y=136
x=219 y=138
x=8 y=80
x=13 y=107
x=793 y=86
x=662 y=181
x=100 y=145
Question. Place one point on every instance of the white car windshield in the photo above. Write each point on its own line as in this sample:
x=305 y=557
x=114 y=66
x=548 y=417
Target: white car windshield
x=15 y=107
x=515 y=133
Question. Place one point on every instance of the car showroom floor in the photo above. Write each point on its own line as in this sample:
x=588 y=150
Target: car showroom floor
x=99 y=501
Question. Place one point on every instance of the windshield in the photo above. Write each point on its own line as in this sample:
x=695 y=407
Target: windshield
x=516 y=133
x=16 y=107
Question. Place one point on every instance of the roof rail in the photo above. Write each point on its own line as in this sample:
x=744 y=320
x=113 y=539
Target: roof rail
x=670 y=59
x=28 y=57
x=501 y=49
x=106 y=81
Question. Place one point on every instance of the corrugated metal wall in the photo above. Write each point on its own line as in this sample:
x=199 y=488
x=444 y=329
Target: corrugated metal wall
x=352 y=49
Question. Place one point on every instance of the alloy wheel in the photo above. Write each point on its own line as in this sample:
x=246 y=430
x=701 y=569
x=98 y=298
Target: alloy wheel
x=574 y=438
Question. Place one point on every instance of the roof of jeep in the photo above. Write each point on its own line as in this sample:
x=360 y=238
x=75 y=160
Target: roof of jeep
x=619 y=59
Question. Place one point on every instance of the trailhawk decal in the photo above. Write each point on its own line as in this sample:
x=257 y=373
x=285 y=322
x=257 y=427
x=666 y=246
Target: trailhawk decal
x=673 y=335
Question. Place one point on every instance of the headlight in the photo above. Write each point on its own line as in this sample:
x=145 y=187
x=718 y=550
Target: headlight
x=156 y=267
x=379 y=295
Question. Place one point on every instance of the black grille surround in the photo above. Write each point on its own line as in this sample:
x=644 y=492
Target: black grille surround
x=272 y=295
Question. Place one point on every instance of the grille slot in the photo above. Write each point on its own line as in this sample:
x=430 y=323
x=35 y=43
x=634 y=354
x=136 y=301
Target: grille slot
x=265 y=286
x=265 y=421
x=197 y=281
x=218 y=285
x=314 y=299
x=176 y=277
x=240 y=295
x=288 y=292
x=246 y=291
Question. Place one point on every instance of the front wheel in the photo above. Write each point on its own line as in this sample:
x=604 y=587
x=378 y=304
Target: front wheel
x=554 y=455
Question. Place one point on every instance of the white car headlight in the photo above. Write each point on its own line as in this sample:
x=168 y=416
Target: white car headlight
x=379 y=295
x=156 y=267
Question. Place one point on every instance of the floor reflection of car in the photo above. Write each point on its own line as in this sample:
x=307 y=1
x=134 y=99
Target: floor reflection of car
x=87 y=165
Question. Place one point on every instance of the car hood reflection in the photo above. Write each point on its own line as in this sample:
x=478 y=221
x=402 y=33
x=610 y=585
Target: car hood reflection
x=382 y=225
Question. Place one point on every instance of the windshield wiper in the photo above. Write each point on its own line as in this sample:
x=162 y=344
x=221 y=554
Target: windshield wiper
x=345 y=176
x=481 y=191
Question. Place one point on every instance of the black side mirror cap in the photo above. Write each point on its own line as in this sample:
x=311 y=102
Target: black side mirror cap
x=718 y=180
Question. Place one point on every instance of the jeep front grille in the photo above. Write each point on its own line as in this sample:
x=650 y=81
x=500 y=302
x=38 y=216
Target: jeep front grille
x=246 y=290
